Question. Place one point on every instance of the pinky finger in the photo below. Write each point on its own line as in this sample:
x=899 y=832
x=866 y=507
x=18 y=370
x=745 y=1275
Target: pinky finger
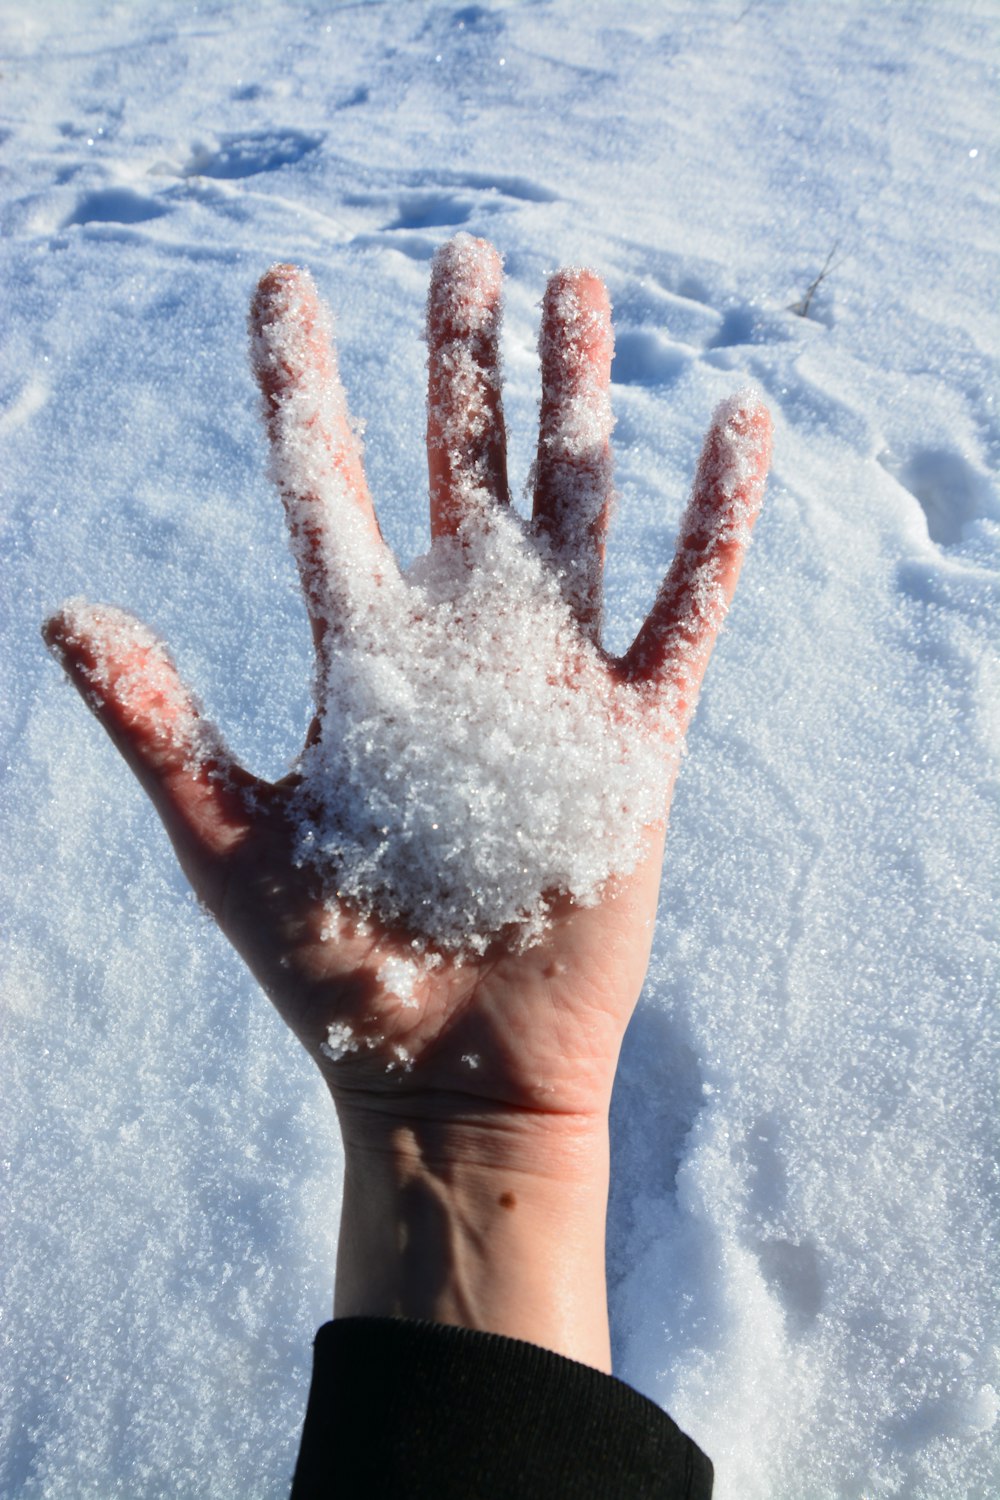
x=672 y=649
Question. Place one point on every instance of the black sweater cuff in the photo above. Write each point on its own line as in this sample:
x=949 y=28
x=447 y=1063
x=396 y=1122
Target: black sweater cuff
x=402 y=1410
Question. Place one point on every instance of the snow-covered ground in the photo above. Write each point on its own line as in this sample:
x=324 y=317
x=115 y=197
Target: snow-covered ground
x=802 y=1241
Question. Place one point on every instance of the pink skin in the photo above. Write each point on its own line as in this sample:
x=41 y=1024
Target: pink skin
x=545 y=1025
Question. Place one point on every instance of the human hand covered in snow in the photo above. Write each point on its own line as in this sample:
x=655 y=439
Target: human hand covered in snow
x=467 y=1024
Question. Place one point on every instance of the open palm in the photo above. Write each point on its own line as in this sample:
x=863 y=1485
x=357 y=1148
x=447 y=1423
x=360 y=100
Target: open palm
x=534 y=1028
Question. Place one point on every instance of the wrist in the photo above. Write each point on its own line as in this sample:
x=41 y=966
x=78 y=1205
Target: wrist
x=494 y=1222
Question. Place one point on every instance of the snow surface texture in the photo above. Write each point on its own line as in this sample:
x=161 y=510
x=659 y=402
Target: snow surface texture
x=804 y=1211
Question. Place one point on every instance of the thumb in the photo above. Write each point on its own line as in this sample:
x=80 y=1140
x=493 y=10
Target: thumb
x=126 y=677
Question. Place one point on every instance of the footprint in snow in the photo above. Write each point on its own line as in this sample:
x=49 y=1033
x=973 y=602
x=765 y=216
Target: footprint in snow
x=431 y=211
x=947 y=488
x=114 y=205
x=246 y=155
x=644 y=357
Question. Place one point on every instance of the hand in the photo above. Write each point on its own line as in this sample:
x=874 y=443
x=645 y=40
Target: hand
x=497 y=1066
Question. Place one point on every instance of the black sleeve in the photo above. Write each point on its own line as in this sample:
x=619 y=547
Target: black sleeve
x=403 y=1410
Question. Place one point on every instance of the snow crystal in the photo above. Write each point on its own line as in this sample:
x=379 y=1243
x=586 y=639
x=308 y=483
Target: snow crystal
x=343 y=1041
x=340 y=1041
x=398 y=976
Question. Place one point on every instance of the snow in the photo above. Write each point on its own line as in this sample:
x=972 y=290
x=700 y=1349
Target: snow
x=476 y=752
x=804 y=1205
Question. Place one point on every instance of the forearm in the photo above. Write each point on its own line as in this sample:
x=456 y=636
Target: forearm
x=496 y=1225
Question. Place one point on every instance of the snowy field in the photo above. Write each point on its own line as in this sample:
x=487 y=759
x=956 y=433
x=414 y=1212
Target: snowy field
x=803 y=1231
